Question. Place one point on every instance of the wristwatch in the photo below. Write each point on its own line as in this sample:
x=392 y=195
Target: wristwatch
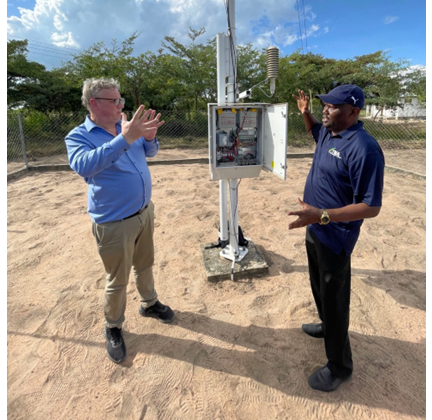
x=325 y=218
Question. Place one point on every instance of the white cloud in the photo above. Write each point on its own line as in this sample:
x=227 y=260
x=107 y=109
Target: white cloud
x=313 y=30
x=390 y=19
x=64 y=40
x=81 y=23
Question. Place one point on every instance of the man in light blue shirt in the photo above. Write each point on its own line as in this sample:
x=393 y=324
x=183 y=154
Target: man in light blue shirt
x=110 y=152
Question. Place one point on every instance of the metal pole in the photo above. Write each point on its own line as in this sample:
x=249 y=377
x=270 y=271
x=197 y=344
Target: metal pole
x=227 y=68
x=221 y=90
x=233 y=183
x=22 y=141
x=221 y=55
x=232 y=67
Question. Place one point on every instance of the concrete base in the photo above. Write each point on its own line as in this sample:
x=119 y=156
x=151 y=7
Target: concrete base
x=219 y=268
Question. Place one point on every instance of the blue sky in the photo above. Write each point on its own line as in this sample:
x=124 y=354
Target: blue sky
x=339 y=29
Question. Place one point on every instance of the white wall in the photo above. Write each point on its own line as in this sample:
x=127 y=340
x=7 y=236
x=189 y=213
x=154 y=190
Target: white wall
x=409 y=110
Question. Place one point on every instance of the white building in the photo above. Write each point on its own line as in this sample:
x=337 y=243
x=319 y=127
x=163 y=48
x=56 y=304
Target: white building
x=410 y=108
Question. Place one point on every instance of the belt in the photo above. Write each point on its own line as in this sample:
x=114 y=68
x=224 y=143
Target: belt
x=135 y=214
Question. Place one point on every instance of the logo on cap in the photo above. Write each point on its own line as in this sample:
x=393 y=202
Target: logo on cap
x=341 y=95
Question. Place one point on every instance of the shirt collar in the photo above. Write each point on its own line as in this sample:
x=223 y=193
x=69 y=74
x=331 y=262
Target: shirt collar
x=349 y=132
x=90 y=125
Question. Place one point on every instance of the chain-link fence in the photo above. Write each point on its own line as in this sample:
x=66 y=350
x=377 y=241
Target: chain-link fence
x=36 y=138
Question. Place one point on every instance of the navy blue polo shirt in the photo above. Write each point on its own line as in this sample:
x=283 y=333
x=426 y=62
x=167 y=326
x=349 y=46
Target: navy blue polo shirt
x=347 y=168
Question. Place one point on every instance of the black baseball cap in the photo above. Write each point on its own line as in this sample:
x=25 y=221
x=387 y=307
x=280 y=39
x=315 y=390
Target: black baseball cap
x=344 y=94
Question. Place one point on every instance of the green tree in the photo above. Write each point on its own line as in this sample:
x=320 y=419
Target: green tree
x=195 y=69
x=383 y=80
x=415 y=84
x=22 y=74
x=114 y=61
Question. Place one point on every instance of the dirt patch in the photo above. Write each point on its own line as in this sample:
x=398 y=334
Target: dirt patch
x=236 y=349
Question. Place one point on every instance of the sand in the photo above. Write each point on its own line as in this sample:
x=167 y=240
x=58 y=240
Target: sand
x=236 y=350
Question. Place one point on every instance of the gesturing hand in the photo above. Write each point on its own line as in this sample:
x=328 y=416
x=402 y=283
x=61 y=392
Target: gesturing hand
x=302 y=101
x=143 y=124
x=306 y=216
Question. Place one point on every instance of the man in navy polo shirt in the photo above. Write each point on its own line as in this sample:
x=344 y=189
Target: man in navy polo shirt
x=110 y=152
x=344 y=187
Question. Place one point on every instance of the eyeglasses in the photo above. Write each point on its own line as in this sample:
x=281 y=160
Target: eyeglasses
x=116 y=101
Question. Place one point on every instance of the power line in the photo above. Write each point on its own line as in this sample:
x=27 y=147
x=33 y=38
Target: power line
x=51 y=51
x=301 y=35
x=73 y=50
x=305 y=31
x=44 y=48
x=48 y=55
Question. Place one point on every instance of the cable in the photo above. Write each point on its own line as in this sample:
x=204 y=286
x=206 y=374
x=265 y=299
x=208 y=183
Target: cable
x=238 y=132
x=48 y=55
x=45 y=43
x=304 y=22
x=34 y=49
x=301 y=35
x=232 y=48
x=53 y=50
x=50 y=50
x=235 y=212
x=268 y=96
x=232 y=269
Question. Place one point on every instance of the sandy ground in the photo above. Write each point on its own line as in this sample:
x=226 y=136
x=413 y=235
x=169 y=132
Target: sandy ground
x=236 y=350
x=409 y=160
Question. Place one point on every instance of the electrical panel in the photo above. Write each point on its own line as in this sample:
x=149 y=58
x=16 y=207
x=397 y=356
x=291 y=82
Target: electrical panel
x=245 y=138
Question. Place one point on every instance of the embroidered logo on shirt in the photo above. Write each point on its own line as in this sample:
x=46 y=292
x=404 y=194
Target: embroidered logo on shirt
x=335 y=153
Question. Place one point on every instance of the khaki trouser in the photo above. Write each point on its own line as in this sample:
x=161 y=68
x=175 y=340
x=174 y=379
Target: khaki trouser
x=123 y=245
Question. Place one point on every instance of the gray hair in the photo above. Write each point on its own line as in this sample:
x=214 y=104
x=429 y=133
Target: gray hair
x=92 y=87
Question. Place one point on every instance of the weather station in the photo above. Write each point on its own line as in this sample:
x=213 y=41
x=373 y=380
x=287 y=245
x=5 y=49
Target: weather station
x=244 y=139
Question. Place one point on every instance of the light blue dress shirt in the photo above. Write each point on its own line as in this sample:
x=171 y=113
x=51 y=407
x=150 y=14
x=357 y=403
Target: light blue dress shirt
x=117 y=173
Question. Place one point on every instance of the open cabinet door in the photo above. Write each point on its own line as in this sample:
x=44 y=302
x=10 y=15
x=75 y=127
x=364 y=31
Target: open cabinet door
x=275 y=139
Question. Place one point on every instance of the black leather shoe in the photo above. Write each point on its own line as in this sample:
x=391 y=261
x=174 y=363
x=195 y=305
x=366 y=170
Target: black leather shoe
x=116 y=347
x=314 y=330
x=162 y=313
x=324 y=380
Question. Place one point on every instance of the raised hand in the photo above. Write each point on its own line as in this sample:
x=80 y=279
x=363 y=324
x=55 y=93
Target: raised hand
x=302 y=101
x=143 y=124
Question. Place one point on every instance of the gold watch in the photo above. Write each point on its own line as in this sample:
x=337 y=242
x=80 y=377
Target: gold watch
x=325 y=218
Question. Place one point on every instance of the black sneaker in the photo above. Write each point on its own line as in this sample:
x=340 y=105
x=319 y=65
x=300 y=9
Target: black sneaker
x=116 y=347
x=162 y=313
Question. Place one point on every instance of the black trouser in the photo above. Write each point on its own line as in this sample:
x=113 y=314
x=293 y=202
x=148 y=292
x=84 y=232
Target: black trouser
x=330 y=277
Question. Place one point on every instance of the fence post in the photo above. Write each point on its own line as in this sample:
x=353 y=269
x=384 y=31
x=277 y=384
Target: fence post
x=310 y=101
x=22 y=141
